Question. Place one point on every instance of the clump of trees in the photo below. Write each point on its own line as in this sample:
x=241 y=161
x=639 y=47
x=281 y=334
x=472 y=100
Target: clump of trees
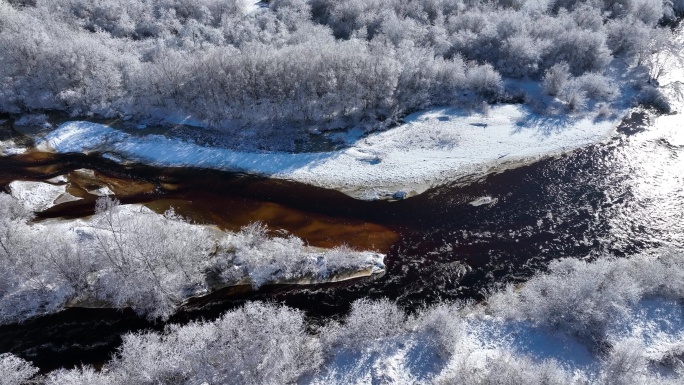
x=599 y=302
x=316 y=63
x=145 y=261
x=585 y=298
x=228 y=350
x=15 y=371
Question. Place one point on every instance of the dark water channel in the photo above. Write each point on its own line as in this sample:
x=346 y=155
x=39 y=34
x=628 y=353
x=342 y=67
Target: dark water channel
x=612 y=199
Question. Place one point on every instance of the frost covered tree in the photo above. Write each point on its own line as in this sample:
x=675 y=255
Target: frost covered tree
x=27 y=287
x=301 y=64
x=134 y=258
x=555 y=78
x=152 y=262
x=255 y=344
x=447 y=343
x=14 y=370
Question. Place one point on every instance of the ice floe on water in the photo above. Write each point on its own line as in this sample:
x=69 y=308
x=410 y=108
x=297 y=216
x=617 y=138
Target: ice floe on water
x=486 y=200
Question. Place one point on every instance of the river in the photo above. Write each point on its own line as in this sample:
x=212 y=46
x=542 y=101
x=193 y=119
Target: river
x=611 y=199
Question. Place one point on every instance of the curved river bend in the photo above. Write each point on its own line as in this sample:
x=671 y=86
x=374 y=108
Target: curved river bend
x=616 y=198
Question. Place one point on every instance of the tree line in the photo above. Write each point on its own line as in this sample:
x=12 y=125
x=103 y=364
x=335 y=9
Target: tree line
x=319 y=63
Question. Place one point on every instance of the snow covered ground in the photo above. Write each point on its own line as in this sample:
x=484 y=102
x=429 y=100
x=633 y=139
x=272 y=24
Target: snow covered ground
x=432 y=147
x=9 y=147
x=39 y=196
x=521 y=348
x=672 y=85
x=253 y=5
x=414 y=357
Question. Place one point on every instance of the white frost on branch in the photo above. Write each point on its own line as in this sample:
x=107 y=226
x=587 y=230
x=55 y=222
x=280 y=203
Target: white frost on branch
x=129 y=256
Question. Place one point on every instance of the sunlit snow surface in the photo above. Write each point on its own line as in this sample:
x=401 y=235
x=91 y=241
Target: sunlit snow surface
x=9 y=147
x=432 y=147
x=38 y=196
x=251 y=6
x=672 y=84
x=412 y=358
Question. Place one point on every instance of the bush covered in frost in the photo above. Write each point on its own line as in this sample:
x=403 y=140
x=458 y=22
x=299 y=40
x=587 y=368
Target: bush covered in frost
x=145 y=261
x=579 y=305
x=315 y=63
x=584 y=298
x=14 y=370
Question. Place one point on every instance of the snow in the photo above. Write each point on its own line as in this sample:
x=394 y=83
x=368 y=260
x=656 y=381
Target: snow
x=101 y=192
x=9 y=147
x=66 y=197
x=186 y=120
x=486 y=200
x=402 y=360
x=653 y=318
x=251 y=6
x=58 y=179
x=39 y=196
x=669 y=127
x=436 y=146
x=542 y=343
x=671 y=83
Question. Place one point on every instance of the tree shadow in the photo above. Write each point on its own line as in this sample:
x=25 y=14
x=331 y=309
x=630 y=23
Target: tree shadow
x=546 y=125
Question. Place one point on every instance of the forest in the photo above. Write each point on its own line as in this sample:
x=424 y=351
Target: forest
x=308 y=65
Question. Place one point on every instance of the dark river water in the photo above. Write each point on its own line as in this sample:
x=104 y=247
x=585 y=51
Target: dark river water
x=611 y=199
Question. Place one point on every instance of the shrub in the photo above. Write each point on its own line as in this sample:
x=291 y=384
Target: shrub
x=14 y=370
x=652 y=97
x=255 y=344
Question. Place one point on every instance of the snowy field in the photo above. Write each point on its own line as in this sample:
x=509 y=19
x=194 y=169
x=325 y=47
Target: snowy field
x=436 y=146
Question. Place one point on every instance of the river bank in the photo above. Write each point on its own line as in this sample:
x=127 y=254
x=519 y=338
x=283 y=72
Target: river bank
x=434 y=147
x=129 y=256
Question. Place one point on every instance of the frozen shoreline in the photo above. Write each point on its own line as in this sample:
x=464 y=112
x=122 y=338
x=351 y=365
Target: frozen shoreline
x=100 y=261
x=432 y=147
x=39 y=196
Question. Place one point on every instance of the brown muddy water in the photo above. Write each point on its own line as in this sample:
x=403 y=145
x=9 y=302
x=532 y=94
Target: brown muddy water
x=611 y=199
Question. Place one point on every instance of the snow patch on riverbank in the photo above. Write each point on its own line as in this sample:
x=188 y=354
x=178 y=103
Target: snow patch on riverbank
x=39 y=196
x=251 y=6
x=9 y=147
x=436 y=146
